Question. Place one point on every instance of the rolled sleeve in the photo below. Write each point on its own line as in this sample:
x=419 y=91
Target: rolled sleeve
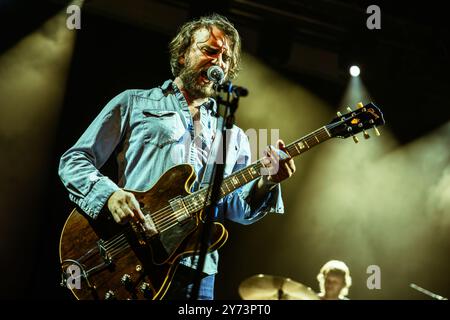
x=96 y=198
x=239 y=210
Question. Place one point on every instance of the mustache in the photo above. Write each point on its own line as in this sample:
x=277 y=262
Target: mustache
x=201 y=70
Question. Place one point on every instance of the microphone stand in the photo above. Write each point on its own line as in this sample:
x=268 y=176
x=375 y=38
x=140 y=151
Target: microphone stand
x=215 y=184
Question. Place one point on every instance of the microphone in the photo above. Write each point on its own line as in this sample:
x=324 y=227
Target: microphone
x=215 y=74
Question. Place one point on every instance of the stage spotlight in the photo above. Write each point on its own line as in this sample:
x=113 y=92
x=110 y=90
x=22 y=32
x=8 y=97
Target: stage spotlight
x=355 y=71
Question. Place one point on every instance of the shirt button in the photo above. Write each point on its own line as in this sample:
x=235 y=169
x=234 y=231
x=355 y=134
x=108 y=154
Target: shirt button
x=93 y=177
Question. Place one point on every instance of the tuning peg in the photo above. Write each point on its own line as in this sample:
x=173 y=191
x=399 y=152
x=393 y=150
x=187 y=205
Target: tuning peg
x=339 y=114
x=366 y=135
x=349 y=109
x=355 y=138
x=376 y=131
x=359 y=105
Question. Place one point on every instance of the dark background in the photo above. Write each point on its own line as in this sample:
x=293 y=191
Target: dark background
x=406 y=66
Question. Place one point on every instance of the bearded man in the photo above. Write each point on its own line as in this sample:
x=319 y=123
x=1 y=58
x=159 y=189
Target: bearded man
x=151 y=131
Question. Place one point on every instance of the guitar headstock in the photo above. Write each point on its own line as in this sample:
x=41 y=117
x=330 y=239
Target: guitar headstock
x=364 y=117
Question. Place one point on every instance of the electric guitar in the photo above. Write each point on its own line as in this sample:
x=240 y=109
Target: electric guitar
x=101 y=259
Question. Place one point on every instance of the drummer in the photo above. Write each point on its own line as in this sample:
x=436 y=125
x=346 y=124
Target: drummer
x=334 y=280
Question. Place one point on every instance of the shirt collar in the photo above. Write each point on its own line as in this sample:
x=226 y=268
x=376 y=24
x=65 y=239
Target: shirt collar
x=209 y=106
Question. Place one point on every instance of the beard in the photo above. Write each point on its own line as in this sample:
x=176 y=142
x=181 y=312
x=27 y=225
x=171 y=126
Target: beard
x=190 y=77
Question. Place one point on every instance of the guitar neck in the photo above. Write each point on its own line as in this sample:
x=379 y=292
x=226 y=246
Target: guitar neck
x=196 y=201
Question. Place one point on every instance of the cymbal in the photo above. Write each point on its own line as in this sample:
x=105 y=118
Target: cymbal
x=267 y=287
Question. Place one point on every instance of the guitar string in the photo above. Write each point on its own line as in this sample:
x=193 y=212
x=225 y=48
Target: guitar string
x=108 y=243
x=166 y=210
x=161 y=217
x=164 y=219
x=122 y=241
x=168 y=221
x=114 y=245
x=117 y=247
x=119 y=243
x=120 y=246
x=172 y=218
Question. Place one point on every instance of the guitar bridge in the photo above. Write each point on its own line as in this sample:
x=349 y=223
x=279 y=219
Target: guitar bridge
x=103 y=252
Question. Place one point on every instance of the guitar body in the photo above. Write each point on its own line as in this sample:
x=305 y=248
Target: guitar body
x=101 y=259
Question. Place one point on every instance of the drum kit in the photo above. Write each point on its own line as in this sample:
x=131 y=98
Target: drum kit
x=268 y=287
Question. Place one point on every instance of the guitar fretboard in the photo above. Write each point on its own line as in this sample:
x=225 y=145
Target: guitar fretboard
x=197 y=200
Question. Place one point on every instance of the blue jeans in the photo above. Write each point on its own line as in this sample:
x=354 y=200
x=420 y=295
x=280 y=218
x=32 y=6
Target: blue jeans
x=183 y=283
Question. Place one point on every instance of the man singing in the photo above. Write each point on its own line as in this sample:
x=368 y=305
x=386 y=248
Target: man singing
x=150 y=131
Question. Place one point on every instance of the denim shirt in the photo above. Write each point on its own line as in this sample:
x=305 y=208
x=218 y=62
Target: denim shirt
x=150 y=131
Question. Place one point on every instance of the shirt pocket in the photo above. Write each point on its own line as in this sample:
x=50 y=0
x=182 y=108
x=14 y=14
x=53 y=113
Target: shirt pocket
x=162 y=127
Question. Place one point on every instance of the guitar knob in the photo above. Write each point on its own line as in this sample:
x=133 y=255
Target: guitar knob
x=110 y=295
x=126 y=280
x=146 y=290
x=145 y=287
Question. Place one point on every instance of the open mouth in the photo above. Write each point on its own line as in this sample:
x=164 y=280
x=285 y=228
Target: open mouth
x=204 y=75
